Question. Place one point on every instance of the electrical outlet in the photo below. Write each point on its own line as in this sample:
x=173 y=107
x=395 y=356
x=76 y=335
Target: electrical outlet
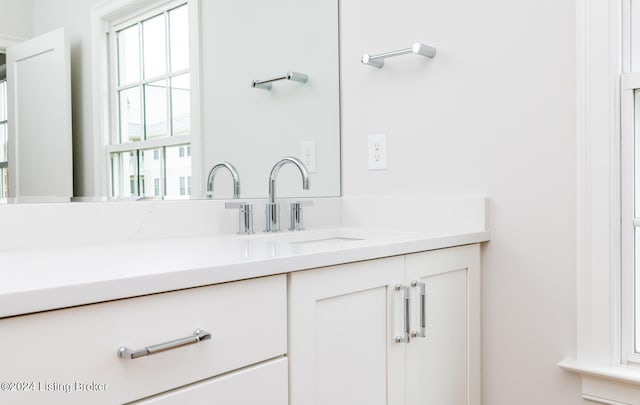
x=378 y=152
x=308 y=155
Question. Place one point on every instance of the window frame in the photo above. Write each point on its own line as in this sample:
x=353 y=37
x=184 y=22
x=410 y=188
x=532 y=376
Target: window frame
x=115 y=144
x=115 y=13
x=602 y=56
x=630 y=82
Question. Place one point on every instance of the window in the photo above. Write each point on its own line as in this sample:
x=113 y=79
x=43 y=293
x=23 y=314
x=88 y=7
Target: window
x=185 y=151
x=606 y=355
x=185 y=186
x=150 y=93
x=630 y=189
x=630 y=208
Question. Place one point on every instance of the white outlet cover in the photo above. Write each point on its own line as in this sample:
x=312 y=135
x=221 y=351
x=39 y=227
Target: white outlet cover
x=309 y=156
x=377 y=152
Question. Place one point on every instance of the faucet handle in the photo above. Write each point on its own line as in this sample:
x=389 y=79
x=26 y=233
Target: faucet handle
x=245 y=216
x=296 y=223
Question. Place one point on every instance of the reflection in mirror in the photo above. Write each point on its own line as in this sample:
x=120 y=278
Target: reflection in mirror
x=150 y=149
x=170 y=121
x=39 y=120
x=3 y=127
x=254 y=128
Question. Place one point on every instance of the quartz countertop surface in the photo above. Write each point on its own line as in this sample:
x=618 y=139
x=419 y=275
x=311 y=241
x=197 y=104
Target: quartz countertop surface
x=43 y=279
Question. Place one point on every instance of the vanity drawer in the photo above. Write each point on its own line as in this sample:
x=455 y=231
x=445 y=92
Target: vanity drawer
x=268 y=384
x=50 y=357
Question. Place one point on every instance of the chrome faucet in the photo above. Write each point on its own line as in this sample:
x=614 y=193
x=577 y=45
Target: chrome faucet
x=234 y=174
x=273 y=208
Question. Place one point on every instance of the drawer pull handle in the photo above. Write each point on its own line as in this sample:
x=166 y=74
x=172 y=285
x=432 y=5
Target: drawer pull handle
x=199 y=335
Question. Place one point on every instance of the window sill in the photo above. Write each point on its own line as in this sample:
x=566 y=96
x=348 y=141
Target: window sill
x=615 y=385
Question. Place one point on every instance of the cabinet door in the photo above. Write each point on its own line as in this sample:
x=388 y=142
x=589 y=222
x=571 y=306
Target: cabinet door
x=444 y=366
x=264 y=384
x=342 y=326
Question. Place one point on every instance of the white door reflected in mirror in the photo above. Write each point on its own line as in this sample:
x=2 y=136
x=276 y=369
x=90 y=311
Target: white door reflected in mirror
x=39 y=120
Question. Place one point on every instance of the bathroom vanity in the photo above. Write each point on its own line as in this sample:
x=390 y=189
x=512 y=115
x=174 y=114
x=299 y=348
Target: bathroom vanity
x=333 y=316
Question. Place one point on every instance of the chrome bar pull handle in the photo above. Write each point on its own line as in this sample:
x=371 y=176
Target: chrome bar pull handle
x=417 y=49
x=198 y=336
x=404 y=338
x=423 y=313
x=292 y=76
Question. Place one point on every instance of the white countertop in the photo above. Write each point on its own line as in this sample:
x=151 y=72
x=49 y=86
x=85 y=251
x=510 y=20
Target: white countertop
x=34 y=280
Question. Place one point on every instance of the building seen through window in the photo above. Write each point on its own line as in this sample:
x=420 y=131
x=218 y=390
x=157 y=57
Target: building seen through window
x=152 y=95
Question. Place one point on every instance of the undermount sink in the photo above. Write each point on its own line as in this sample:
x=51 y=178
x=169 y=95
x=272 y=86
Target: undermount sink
x=335 y=236
x=325 y=240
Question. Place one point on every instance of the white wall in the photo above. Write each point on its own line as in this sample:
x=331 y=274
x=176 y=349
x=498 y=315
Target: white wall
x=15 y=18
x=493 y=114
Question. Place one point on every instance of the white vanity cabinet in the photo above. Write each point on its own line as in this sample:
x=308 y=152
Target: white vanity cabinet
x=346 y=323
x=69 y=356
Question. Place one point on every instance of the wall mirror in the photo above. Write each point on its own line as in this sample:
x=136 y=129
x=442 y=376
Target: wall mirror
x=233 y=120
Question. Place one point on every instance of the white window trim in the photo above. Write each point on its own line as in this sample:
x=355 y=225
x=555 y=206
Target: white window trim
x=103 y=15
x=600 y=34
